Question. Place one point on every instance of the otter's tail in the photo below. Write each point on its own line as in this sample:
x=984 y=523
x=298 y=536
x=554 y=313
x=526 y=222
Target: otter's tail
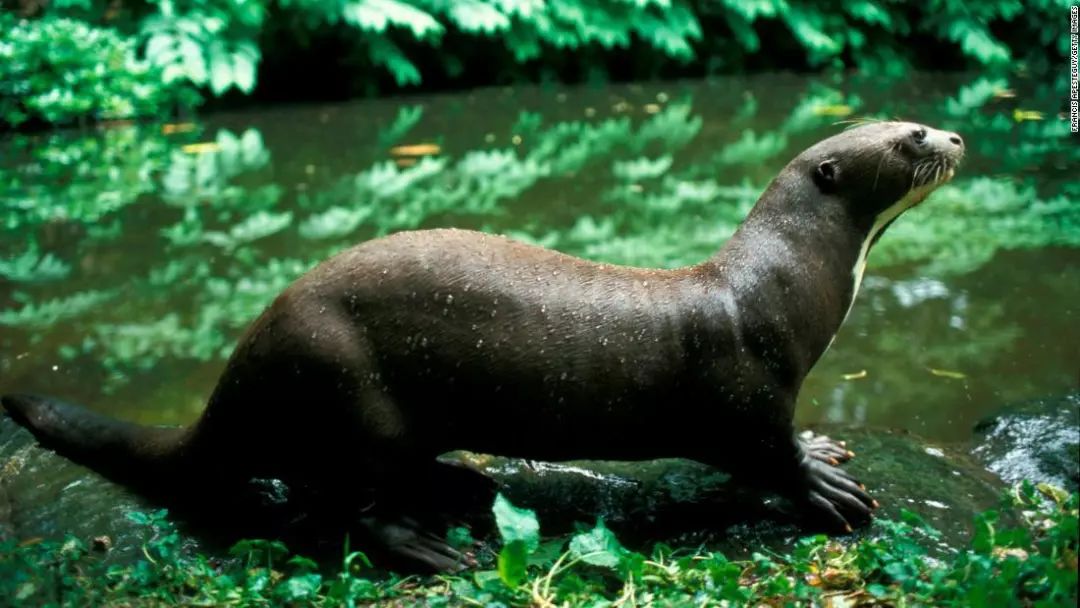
x=118 y=449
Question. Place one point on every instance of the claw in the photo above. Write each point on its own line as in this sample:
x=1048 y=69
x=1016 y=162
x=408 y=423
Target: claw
x=834 y=495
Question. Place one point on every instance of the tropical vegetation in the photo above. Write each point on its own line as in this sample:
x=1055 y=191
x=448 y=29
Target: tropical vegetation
x=67 y=61
x=1029 y=563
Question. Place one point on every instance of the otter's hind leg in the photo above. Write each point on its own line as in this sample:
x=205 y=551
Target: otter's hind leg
x=410 y=499
x=414 y=512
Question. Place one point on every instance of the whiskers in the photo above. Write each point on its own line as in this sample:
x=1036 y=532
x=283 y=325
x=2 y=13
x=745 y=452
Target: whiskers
x=932 y=170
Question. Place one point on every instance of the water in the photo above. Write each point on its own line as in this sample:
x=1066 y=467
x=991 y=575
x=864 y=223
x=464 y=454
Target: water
x=970 y=302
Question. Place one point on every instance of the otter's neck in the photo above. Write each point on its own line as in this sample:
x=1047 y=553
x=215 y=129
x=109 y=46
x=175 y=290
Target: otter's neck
x=793 y=269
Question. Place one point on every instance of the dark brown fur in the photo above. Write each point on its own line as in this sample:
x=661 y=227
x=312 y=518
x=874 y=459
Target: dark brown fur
x=412 y=345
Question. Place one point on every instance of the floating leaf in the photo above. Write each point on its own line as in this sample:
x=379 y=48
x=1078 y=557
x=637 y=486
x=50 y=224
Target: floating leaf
x=415 y=150
x=945 y=373
x=201 y=148
x=833 y=110
x=1022 y=115
x=221 y=70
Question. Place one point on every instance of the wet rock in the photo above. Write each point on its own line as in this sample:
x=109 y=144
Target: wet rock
x=45 y=496
x=940 y=482
x=1037 y=440
x=686 y=503
x=675 y=501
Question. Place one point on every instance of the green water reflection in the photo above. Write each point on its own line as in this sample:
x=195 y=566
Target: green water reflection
x=132 y=257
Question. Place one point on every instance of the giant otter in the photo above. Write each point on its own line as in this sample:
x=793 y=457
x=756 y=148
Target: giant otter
x=406 y=347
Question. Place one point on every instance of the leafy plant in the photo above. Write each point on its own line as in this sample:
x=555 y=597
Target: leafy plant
x=1033 y=563
x=53 y=64
x=57 y=70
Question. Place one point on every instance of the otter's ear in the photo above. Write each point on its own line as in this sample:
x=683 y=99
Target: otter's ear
x=825 y=176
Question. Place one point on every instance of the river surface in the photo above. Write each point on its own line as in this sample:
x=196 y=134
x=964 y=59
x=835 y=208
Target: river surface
x=133 y=256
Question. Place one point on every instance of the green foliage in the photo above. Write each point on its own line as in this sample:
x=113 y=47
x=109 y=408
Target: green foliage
x=58 y=70
x=218 y=240
x=32 y=266
x=1033 y=563
x=597 y=547
x=407 y=118
x=43 y=314
x=204 y=43
x=78 y=59
x=971 y=221
x=520 y=534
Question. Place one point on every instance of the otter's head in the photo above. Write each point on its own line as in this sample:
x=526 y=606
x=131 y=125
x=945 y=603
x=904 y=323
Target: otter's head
x=879 y=170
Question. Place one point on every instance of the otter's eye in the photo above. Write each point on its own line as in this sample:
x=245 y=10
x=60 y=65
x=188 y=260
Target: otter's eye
x=919 y=135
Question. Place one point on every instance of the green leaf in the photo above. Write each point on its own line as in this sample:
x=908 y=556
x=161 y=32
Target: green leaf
x=641 y=168
x=221 y=71
x=375 y=15
x=477 y=16
x=877 y=590
x=407 y=118
x=547 y=553
x=460 y=537
x=334 y=222
x=516 y=524
x=512 y=562
x=32 y=266
x=870 y=12
x=304 y=586
x=598 y=547
x=982 y=540
x=244 y=72
x=256 y=226
x=138 y=517
x=49 y=312
x=302 y=563
x=385 y=53
x=194 y=63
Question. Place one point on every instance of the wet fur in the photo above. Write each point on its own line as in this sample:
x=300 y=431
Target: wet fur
x=395 y=351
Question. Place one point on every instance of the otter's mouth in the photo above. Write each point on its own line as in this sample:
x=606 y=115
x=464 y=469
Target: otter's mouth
x=934 y=171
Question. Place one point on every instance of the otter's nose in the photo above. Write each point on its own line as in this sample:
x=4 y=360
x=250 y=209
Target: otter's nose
x=956 y=140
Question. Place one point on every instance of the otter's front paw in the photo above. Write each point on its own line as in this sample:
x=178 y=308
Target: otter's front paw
x=836 y=499
x=825 y=449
